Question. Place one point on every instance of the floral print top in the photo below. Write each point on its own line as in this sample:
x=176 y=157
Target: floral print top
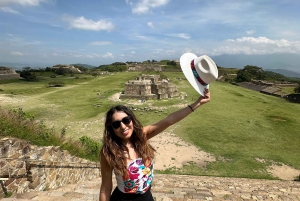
x=140 y=177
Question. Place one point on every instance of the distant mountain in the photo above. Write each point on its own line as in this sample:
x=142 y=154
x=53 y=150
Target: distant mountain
x=19 y=66
x=284 y=72
x=37 y=65
x=289 y=62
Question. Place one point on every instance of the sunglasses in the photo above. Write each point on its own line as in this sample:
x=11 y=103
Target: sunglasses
x=117 y=124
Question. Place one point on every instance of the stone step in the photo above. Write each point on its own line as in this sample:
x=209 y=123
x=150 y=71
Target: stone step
x=179 y=188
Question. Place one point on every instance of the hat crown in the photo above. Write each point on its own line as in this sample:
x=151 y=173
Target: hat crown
x=206 y=68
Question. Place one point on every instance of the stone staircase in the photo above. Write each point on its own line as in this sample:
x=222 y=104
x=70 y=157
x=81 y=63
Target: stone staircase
x=180 y=188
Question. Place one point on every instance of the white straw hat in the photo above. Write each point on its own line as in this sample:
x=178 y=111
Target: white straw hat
x=199 y=71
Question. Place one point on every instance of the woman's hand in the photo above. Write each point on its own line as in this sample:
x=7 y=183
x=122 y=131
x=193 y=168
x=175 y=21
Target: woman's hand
x=206 y=98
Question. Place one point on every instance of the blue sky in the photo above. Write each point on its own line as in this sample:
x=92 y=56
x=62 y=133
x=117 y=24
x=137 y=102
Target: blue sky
x=99 y=32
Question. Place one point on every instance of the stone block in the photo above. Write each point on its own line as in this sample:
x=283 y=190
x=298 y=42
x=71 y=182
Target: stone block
x=29 y=172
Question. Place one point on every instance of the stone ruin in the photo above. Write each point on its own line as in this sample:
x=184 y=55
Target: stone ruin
x=149 y=87
x=72 y=69
x=8 y=73
x=25 y=167
x=144 y=67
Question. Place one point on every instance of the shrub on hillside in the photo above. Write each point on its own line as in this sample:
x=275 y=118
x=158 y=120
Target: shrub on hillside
x=55 y=84
x=295 y=98
x=243 y=76
x=297 y=89
x=19 y=124
x=28 y=76
x=91 y=147
x=22 y=125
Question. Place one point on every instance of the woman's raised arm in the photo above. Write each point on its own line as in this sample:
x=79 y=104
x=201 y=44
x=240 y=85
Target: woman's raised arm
x=154 y=129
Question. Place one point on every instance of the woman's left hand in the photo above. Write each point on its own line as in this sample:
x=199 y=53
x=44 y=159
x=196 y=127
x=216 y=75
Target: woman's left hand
x=206 y=98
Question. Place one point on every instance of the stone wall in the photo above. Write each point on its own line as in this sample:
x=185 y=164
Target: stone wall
x=269 y=88
x=172 y=70
x=144 y=67
x=141 y=88
x=149 y=87
x=33 y=168
x=8 y=73
x=71 y=69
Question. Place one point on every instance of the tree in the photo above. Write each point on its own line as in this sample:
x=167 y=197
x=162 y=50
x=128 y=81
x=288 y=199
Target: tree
x=243 y=76
x=172 y=63
x=27 y=68
x=61 y=71
x=255 y=72
x=48 y=69
x=27 y=75
x=297 y=89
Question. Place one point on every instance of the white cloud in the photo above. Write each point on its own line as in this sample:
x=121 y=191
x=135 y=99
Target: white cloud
x=142 y=37
x=132 y=52
x=22 y=2
x=260 y=45
x=9 y=10
x=17 y=53
x=108 y=55
x=180 y=35
x=87 y=24
x=145 y=6
x=150 y=24
x=250 y=32
x=33 y=43
x=78 y=56
x=263 y=40
x=92 y=56
x=100 y=43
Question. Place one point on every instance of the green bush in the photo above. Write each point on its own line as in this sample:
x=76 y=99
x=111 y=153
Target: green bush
x=55 y=84
x=19 y=124
x=243 y=76
x=297 y=89
x=91 y=147
x=28 y=76
x=295 y=98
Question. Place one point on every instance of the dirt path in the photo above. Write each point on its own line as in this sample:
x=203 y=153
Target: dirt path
x=172 y=151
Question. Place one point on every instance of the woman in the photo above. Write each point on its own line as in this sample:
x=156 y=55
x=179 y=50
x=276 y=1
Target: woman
x=126 y=151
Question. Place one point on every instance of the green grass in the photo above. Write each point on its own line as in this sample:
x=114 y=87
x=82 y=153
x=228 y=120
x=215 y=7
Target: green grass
x=287 y=90
x=241 y=125
x=238 y=126
x=19 y=124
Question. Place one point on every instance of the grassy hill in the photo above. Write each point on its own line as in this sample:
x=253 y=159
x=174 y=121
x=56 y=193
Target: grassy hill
x=239 y=126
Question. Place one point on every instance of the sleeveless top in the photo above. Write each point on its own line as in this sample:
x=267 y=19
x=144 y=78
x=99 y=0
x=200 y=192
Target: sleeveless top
x=140 y=177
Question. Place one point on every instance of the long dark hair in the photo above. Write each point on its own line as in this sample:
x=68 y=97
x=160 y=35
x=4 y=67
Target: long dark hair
x=113 y=149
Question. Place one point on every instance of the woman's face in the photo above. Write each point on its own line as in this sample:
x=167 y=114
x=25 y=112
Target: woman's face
x=125 y=130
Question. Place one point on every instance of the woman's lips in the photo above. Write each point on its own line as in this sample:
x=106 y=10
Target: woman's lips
x=125 y=132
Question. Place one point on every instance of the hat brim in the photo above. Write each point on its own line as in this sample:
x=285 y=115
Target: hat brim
x=185 y=64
